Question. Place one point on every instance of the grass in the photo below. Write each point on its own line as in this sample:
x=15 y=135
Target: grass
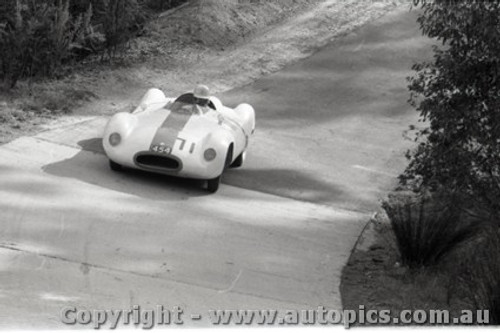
x=375 y=279
x=56 y=99
x=449 y=248
x=428 y=227
x=479 y=272
x=30 y=105
x=177 y=51
x=14 y=121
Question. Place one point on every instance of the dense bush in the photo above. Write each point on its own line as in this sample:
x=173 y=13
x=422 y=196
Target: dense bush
x=428 y=227
x=161 y=5
x=37 y=37
x=120 y=19
x=480 y=272
x=458 y=96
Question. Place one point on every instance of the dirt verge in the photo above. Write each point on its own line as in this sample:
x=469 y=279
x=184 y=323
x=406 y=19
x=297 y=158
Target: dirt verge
x=223 y=44
x=374 y=279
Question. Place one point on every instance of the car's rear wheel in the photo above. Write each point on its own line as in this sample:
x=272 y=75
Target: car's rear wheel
x=213 y=184
x=115 y=166
x=238 y=162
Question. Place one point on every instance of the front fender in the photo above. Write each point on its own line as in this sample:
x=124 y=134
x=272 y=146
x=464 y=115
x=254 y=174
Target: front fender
x=222 y=143
x=122 y=123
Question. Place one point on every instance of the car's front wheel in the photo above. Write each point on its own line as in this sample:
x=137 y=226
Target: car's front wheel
x=115 y=166
x=213 y=184
x=238 y=162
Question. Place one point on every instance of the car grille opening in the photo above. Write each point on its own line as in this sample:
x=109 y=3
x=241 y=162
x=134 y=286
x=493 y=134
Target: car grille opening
x=157 y=161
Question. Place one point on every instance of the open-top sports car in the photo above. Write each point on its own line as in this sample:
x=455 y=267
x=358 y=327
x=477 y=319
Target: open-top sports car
x=180 y=137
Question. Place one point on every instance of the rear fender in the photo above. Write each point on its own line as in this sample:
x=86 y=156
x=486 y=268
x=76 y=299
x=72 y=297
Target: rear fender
x=217 y=103
x=153 y=99
x=247 y=114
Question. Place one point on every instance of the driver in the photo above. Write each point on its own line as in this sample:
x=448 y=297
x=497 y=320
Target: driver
x=201 y=95
x=198 y=100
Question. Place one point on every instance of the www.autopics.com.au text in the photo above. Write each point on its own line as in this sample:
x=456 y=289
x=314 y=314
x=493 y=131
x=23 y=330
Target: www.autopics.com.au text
x=161 y=316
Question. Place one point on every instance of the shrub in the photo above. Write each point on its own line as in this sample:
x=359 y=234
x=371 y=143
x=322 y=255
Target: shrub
x=120 y=18
x=480 y=272
x=428 y=227
x=162 y=5
x=38 y=38
x=458 y=95
x=86 y=40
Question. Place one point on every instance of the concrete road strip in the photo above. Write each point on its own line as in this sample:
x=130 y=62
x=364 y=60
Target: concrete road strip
x=329 y=136
x=67 y=218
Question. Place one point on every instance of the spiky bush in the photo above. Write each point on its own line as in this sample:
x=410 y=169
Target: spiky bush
x=428 y=227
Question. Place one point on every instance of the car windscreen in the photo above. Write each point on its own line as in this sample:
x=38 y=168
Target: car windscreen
x=181 y=107
x=191 y=100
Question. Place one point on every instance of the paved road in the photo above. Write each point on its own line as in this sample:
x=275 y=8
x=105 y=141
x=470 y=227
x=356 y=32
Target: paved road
x=275 y=236
x=331 y=126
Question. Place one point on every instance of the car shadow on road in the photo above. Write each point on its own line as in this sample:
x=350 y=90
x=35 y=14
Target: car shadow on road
x=293 y=184
x=90 y=165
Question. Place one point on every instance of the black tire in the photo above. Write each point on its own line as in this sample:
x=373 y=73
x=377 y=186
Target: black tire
x=213 y=184
x=229 y=157
x=238 y=162
x=115 y=166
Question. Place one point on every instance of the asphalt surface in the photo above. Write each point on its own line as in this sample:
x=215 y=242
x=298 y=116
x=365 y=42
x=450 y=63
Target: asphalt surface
x=328 y=146
x=331 y=127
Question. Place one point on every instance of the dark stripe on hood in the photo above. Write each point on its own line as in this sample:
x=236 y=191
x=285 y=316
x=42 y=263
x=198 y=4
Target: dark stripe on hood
x=168 y=132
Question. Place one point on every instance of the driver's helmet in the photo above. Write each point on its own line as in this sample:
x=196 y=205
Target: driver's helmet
x=202 y=93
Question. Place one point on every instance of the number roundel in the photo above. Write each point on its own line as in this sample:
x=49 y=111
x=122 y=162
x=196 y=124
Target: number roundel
x=161 y=148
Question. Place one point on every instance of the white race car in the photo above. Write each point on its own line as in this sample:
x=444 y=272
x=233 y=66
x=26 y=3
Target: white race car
x=178 y=137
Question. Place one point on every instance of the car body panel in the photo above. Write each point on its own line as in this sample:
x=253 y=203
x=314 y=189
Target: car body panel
x=158 y=134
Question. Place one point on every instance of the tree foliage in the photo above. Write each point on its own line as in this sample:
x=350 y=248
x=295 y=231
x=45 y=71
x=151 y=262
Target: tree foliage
x=36 y=37
x=458 y=96
x=161 y=5
x=120 y=18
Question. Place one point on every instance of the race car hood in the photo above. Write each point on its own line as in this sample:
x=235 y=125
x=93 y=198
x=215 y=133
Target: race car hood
x=164 y=128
